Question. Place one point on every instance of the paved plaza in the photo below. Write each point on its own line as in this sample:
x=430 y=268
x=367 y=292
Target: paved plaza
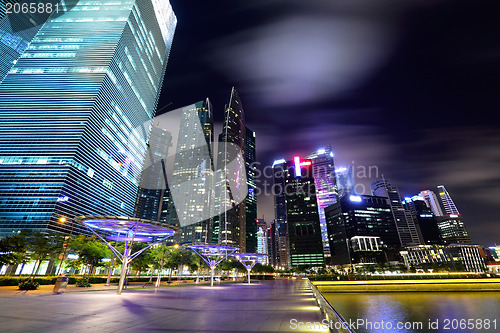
x=237 y=307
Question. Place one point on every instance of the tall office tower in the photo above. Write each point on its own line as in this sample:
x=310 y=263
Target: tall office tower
x=261 y=241
x=251 y=199
x=72 y=113
x=271 y=244
x=323 y=170
x=407 y=230
x=282 y=250
x=346 y=183
x=432 y=202
x=192 y=174
x=153 y=177
x=168 y=214
x=453 y=230
x=261 y=224
x=17 y=31
x=425 y=218
x=304 y=231
x=447 y=202
x=361 y=216
x=230 y=226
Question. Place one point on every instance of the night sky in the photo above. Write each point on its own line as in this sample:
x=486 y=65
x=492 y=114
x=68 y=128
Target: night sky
x=409 y=87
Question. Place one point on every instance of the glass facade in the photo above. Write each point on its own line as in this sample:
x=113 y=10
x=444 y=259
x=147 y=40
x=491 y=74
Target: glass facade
x=303 y=224
x=230 y=226
x=326 y=188
x=192 y=178
x=355 y=216
x=407 y=230
x=75 y=113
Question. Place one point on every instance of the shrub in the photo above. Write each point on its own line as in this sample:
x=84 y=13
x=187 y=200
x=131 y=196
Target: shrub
x=83 y=283
x=28 y=285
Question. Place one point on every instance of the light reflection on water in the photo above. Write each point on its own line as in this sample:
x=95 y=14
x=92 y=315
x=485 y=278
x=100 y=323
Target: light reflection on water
x=420 y=307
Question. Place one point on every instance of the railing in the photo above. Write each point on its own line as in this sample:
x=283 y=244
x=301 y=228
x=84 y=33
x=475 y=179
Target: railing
x=336 y=322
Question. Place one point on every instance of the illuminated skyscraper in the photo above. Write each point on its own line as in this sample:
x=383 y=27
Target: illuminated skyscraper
x=405 y=224
x=302 y=217
x=153 y=177
x=426 y=219
x=453 y=230
x=432 y=202
x=363 y=218
x=281 y=249
x=323 y=169
x=251 y=199
x=346 y=183
x=17 y=31
x=261 y=241
x=448 y=204
x=236 y=226
x=75 y=113
x=192 y=174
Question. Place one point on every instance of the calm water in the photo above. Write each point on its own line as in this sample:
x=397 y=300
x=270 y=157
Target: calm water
x=441 y=311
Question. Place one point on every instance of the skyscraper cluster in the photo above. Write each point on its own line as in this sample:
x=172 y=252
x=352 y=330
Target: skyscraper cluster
x=320 y=219
x=201 y=193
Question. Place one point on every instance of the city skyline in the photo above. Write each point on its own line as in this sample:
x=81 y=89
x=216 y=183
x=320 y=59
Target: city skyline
x=405 y=105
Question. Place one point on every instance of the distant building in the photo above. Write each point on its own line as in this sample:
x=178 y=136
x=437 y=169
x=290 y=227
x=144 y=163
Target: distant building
x=251 y=199
x=407 y=230
x=453 y=230
x=303 y=224
x=432 y=202
x=326 y=188
x=236 y=226
x=346 y=183
x=457 y=257
x=153 y=177
x=360 y=216
x=366 y=249
x=261 y=241
x=426 y=219
x=447 y=202
x=282 y=255
x=271 y=244
x=192 y=173
x=260 y=223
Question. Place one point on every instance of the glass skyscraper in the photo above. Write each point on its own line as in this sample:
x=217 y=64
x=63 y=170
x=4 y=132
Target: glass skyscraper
x=75 y=111
x=447 y=201
x=192 y=177
x=408 y=229
x=230 y=226
x=326 y=188
x=302 y=217
x=360 y=216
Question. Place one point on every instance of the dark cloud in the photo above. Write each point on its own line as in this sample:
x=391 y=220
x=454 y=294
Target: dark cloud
x=407 y=86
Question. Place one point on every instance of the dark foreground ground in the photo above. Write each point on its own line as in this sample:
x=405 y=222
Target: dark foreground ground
x=259 y=307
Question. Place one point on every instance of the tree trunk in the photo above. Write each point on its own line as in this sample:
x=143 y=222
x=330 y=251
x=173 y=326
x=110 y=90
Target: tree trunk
x=158 y=280
x=35 y=270
x=151 y=276
x=90 y=272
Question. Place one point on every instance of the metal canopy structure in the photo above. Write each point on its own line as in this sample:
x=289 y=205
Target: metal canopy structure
x=128 y=230
x=249 y=260
x=212 y=255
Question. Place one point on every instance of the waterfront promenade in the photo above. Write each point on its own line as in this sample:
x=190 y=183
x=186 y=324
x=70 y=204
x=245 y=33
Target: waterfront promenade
x=425 y=285
x=236 y=307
